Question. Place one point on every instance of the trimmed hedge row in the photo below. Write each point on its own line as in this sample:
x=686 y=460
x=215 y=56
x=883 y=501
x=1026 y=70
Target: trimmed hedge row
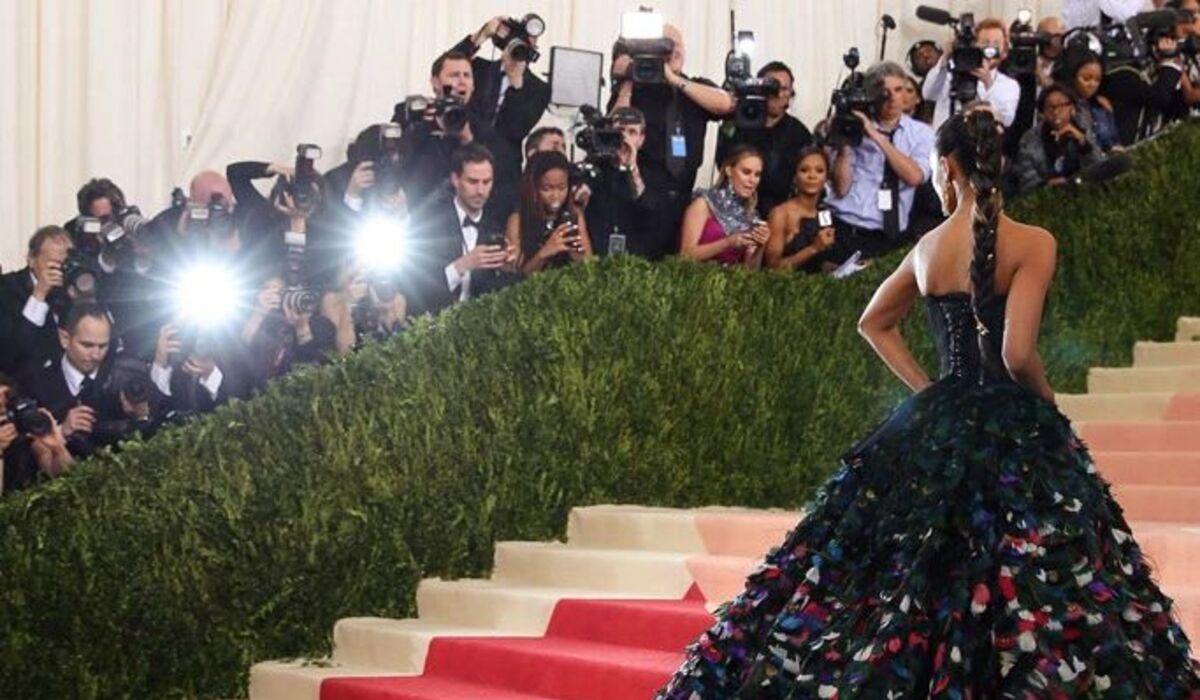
x=167 y=570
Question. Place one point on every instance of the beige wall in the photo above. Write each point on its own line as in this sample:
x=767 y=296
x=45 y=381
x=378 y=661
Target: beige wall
x=148 y=92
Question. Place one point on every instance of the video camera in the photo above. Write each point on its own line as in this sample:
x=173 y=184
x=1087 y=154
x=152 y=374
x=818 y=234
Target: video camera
x=600 y=137
x=1026 y=43
x=518 y=40
x=845 y=128
x=1123 y=44
x=966 y=57
x=643 y=41
x=752 y=93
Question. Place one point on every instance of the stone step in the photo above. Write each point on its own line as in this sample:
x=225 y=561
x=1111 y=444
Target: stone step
x=1187 y=330
x=1161 y=504
x=1133 y=380
x=397 y=646
x=1148 y=354
x=1139 y=407
x=301 y=680
x=1166 y=436
x=714 y=530
x=630 y=572
x=1149 y=468
x=497 y=605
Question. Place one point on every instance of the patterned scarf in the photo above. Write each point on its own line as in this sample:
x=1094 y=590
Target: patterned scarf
x=732 y=212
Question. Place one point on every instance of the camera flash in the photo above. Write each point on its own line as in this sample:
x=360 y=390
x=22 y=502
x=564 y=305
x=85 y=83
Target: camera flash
x=641 y=25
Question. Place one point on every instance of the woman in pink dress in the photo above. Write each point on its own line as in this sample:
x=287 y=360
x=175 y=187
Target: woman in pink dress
x=720 y=225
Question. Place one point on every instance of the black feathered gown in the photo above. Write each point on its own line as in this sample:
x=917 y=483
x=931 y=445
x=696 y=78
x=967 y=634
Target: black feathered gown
x=966 y=549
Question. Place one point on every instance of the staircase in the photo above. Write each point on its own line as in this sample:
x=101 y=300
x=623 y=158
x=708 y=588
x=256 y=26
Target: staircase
x=607 y=614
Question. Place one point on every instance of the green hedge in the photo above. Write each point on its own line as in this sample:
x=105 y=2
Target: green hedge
x=167 y=570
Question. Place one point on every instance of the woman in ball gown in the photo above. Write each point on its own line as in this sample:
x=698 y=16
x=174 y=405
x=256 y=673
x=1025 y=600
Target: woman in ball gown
x=967 y=548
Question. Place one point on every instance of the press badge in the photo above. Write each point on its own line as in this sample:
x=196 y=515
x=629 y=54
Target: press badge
x=678 y=146
x=885 y=200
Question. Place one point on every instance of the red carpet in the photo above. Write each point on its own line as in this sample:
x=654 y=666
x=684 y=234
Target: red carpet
x=611 y=649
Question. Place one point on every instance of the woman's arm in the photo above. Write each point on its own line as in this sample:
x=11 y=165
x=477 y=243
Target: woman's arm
x=512 y=237
x=880 y=324
x=777 y=222
x=1023 y=317
x=585 y=239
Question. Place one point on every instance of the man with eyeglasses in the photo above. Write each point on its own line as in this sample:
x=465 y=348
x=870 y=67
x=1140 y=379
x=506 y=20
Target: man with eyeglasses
x=780 y=141
x=995 y=88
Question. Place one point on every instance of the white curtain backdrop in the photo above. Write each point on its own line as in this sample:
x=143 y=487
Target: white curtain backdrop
x=149 y=92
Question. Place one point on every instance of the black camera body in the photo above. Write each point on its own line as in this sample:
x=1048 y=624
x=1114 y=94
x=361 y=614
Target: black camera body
x=845 y=128
x=1026 y=44
x=649 y=58
x=451 y=110
x=80 y=271
x=305 y=185
x=388 y=160
x=752 y=95
x=209 y=222
x=518 y=39
x=23 y=412
x=600 y=137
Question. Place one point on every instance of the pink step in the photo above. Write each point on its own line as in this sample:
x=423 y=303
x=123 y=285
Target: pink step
x=1174 y=436
x=1184 y=407
x=1149 y=468
x=1172 y=550
x=1173 y=504
x=422 y=688
x=1187 y=608
x=663 y=625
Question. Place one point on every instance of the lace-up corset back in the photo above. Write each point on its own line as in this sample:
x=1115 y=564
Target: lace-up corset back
x=953 y=324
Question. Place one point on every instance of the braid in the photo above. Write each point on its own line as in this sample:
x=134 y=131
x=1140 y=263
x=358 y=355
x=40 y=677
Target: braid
x=983 y=133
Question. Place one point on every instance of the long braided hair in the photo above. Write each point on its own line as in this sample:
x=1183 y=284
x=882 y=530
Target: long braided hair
x=974 y=140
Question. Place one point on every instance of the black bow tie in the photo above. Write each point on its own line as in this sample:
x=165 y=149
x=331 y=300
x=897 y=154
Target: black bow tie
x=468 y=221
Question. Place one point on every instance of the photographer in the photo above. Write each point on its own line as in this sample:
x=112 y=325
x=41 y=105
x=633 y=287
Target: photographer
x=780 y=140
x=721 y=224
x=546 y=138
x=196 y=378
x=31 y=442
x=1058 y=149
x=461 y=248
x=32 y=300
x=282 y=331
x=507 y=93
x=621 y=202
x=997 y=89
x=268 y=223
x=548 y=228
x=448 y=125
x=874 y=183
x=677 y=112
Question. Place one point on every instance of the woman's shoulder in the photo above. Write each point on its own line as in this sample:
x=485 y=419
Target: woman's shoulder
x=1031 y=238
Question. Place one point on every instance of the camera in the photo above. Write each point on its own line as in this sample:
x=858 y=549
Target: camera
x=1123 y=44
x=1026 y=43
x=80 y=272
x=209 y=222
x=23 y=413
x=965 y=57
x=299 y=301
x=845 y=128
x=643 y=41
x=388 y=160
x=129 y=378
x=451 y=110
x=111 y=239
x=518 y=40
x=304 y=187
x=600 y=137
x=751 y=93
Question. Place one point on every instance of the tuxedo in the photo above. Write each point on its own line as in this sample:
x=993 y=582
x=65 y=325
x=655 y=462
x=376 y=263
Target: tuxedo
x=439 y=238
x=58 y=387
x=24 y=341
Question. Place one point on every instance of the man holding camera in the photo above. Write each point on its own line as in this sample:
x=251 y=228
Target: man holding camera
x=620 y=199
x=997 y=89
x=677 y=110
x=430 y=143
x=458 y=246
x=507 y=93
x=31 y=441
x=780 y=140
x=33 y=298
x=874 y=183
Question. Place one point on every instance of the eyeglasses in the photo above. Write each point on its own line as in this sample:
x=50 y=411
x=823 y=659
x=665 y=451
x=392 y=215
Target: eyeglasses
x=1057 y=106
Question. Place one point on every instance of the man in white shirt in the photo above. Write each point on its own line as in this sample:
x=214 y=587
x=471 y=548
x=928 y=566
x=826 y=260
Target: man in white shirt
x=1086 y=13
x=998 y=90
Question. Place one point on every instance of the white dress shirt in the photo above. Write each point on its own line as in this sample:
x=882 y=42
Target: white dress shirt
x=1003 y=96
x=470 y=236
x=161 y=376
x=74 y=377
x=1086 y=13
x=35 y=310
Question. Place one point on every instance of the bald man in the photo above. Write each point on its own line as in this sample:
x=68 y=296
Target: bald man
x=677 y=113
x=1051 y=28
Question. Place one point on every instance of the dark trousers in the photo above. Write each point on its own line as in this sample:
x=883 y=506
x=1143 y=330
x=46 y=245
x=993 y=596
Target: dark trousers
x=873 y=243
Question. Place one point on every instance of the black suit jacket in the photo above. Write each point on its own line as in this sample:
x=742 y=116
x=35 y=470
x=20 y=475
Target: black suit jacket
x=24 y=343
x=48 y=385
x=522 y=109
x=438 y=241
